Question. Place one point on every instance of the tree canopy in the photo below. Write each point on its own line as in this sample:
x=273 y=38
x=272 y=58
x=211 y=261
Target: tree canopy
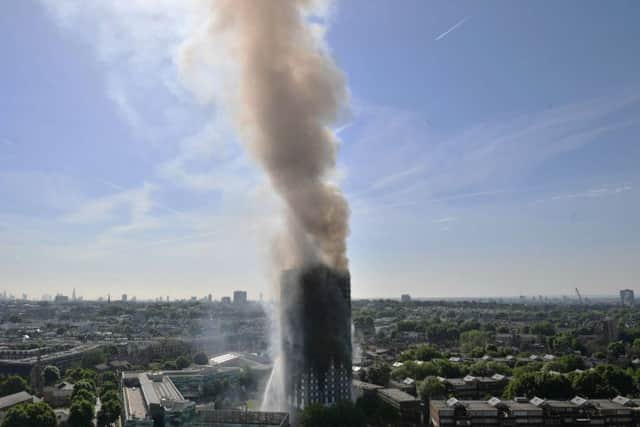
x=30 y=415
x=50 y=375
x=343 y=414
x=13 y=384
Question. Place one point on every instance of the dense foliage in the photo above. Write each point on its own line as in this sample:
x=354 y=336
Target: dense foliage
x=30 y=415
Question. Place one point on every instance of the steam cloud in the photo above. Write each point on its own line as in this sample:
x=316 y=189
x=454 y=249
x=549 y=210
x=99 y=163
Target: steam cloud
x=289 y=92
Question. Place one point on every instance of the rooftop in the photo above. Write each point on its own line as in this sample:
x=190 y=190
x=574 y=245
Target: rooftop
x=397 y=395
x=14 y=399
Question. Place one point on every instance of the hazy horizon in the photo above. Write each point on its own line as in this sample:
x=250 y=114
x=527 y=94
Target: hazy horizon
x=488 y=149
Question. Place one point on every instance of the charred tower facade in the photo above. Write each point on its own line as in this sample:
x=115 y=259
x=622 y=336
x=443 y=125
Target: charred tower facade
x=316 y=336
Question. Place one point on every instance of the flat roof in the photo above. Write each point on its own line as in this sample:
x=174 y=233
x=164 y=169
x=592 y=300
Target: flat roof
x=14 y=399
x=135 y=403
x=397 y=395
x=223 y=358
x=366 y=385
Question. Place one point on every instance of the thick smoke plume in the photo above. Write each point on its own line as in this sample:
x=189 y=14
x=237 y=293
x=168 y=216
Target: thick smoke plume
x=290 y=91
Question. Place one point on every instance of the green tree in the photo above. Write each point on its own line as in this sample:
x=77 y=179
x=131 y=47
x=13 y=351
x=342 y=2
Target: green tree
x=83 y=394
x=107 y=388
x=343 y=414
x=545 y=328
x=109 y=412
x=431 y=388
x=30 y=415
x=427 y=352
x=472 y=339
x=377 y=413
x=379 y=374
x=170 y=365
x=566 y=363
x=365 y=324
x=13 y=384
x=248 y=378
x=77 y=374
x=616 y=349
x=110 y=395
x=109 y=377
x=540 y=384
x=183 y=362
x=200 y=359
x=486 y=368
x=84 y=385
x=449 y=369
x=92 y=358
x=620 y=382
x=50 y=375
x=81 y=413
x=591 y=385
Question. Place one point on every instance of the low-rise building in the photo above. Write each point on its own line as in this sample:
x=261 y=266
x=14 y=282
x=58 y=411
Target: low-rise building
x=621 y=412
x=150 y=397
x=208 y=416
x=472 y=387
x=363 y=389
x=8 y=402
x=409 y=407
x=58 y=395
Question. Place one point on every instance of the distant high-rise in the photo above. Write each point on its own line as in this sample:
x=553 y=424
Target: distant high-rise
x=405 y=298
x=239 y=297
x=316 y=336
x=73 y=295
x=627 y=297
x=59 y=298
x=124 y=297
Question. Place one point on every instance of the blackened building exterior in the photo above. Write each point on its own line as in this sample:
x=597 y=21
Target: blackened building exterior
x=316 y=336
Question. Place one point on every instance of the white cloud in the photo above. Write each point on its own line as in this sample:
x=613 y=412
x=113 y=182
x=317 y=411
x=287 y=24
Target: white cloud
x=595 y=192
x=136 y=203
x=446 y=219
x=408 y=164
x=453 y=28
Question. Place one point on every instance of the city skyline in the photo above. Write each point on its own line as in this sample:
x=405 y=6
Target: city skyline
x=486 y=151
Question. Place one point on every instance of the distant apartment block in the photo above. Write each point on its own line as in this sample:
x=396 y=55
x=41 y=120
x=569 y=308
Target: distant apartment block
x=627 y=297
x=472 y=387
x=240 y=297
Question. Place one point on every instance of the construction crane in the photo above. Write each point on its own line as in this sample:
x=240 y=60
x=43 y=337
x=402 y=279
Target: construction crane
x=579 y=296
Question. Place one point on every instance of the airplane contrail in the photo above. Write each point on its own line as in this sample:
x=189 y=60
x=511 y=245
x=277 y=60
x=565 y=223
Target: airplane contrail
x=458 y=24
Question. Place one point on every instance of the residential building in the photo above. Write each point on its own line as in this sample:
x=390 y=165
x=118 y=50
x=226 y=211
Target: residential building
x=620 y=412
x=58 y=395
x=316 y=323
x=240 y=297
x=409 y=407
x=627 y=298
x=8 y=402
x=472 y=387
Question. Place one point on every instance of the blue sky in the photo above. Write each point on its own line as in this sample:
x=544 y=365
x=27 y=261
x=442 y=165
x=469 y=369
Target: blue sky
x=491 y=148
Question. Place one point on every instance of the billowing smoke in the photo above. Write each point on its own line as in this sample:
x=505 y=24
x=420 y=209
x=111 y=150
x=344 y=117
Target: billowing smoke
x=289 y=92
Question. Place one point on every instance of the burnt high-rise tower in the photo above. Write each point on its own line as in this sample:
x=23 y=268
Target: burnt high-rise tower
x=316 y=336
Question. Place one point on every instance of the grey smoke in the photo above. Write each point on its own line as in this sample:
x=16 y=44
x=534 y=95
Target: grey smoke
x=290 y=91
